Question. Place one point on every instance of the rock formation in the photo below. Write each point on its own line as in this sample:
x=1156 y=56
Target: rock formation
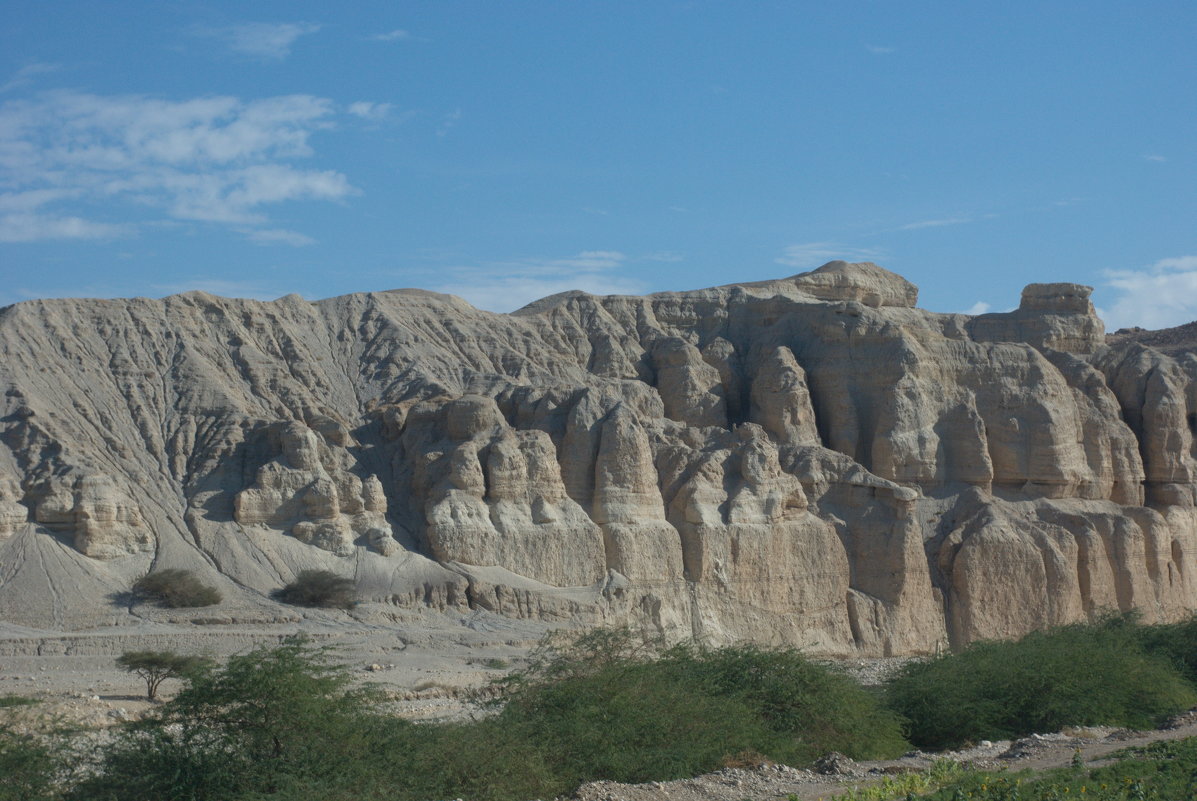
x=810 y=460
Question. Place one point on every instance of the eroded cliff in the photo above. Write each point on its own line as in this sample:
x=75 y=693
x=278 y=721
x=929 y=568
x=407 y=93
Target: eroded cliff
x=810 y=461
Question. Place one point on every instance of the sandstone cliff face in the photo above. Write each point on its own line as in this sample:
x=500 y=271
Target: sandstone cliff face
x=810 y=461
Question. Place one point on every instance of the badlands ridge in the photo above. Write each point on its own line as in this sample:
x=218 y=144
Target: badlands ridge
x=810 y=461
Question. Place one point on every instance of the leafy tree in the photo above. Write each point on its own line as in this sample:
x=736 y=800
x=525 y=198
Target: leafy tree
x=155 y=667
x=280 y=722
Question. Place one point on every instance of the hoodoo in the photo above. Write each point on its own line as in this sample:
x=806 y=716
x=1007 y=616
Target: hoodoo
x=810 y=461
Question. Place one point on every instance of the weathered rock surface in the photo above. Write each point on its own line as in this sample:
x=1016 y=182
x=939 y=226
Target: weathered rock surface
x=810 y=461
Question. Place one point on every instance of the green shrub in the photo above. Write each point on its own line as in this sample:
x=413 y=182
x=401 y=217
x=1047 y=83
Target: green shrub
x=319 y=588
x=175 y=588
x=602 y=709
x=27 y=768
x=1092 y=674
x=1177 y=642
x=280 y=722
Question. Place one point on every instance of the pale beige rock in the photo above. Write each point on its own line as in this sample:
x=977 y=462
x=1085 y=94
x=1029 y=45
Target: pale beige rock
x=103 y=521
x=13 y=515
x=809 y=461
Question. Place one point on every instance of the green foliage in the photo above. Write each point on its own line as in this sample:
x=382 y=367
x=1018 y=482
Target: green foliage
x=1175 y=641
x=602 y=708
x=1165 y=771
x=8 y=701
x=175 y=588
x=320 y=588
x=155 y=667
x=1079 y=675
x=942 y=772
x=27 y=767
x=272 y=722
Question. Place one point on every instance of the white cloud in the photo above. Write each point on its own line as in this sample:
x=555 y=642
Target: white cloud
x=509 y=285
x=391 y=36
x=369 y=111
x=216 y=159
x=32 y=227
x=269 y=41
x=665 y=256
x=914 y=226
x=1160 y=296
x=1155 y=157
x=279 y=236
x=815 y=254
x=980 y=307
x=24 y=75
x=880 y=50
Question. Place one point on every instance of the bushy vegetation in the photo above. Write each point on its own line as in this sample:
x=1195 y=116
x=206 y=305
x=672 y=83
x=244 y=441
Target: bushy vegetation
x=280 y=723
x=1177 y=642
x=318 y=588
x=1085 y=674
x=27 y=767
x=603 y=709
x=287 y=723
x=175 y=588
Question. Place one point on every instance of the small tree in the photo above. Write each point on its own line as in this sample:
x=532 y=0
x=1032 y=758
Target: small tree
x=155 y=667
x=175 y=588
x=321 y=588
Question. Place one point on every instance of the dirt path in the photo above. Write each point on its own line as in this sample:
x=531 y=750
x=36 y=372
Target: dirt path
x=1038 y=752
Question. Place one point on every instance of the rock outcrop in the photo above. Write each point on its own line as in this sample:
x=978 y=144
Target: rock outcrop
x=810 y=461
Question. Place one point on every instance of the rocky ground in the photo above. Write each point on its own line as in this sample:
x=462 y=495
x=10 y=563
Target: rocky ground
x=426 y=663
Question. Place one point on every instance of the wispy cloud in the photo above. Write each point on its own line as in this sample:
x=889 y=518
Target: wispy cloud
x=268 y=41
x=940 y=223
x=391 y=36
x=369 y=111
x=24 y=76
x=1159 y=296
x=1154 y=157
x=212 y=159
x=27 y=227
x=815 y=254
x=505 y=286
x=665 y=256
x=278 y=236
x=880 y=50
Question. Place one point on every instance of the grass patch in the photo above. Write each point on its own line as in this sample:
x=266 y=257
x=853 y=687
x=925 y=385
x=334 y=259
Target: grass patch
x=1081 y=675
x=1164 y=771
x=10 y=701
x=175 y=589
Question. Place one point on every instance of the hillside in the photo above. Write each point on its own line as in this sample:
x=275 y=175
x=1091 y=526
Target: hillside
x=810 y=461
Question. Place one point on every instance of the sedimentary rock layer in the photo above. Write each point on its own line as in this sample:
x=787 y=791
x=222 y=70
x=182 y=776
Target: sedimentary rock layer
x=810 y=461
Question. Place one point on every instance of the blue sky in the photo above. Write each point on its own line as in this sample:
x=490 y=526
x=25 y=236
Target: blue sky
x=505 y=151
